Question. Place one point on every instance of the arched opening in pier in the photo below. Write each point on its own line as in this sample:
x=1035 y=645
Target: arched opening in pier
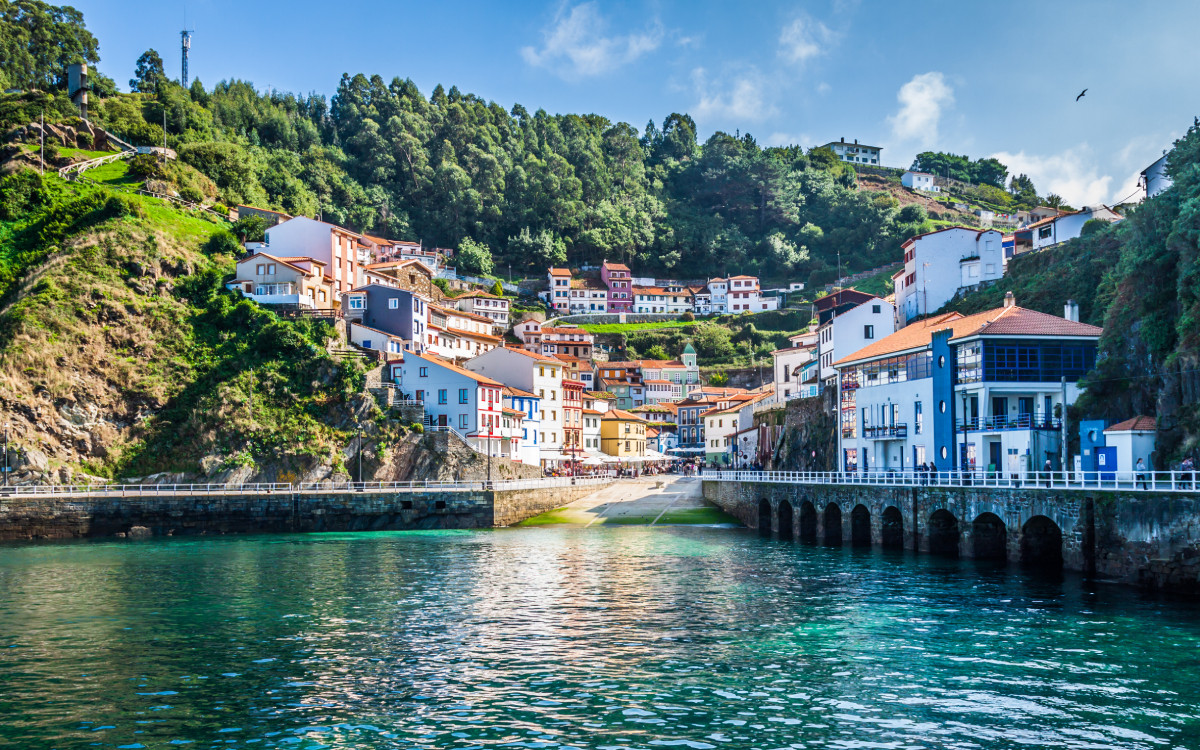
x=764 y=517
x=989 y=537
x=1041 y=544
x=892 y=531
x=808 y=523
x=860 y=526
x=785 y=521
x=943 y=533
x=833 y=525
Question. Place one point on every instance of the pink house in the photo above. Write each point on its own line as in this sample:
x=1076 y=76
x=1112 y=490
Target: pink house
x=617 y=278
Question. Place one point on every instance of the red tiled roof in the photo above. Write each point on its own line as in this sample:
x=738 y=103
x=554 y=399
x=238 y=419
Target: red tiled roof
x=531 y=355
x=1137 y=424
x=1018 y=321
x=977 y=232
x=560 y=272
x=622 y=415
x=616 y=266
x=511 y=391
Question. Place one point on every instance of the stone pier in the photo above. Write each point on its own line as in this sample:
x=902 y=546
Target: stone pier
x=48 y=517
x=1149 y=539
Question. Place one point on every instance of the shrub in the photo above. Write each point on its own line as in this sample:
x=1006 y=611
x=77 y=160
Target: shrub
x=189 y=193
x=223 y=242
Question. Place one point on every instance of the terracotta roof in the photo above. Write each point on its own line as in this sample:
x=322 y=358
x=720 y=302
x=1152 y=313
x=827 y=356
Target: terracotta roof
x=731 y=278
x=560 y=272
x=564 y=329
x=593 y=411
x=285 y=261
x=616 y=266
x=1137 y=424
x=622 y=415
x=658 y=382
x=439 y=361
x=660 y=364
x=515 y=412
x=472 y=334
x=591 y=284
x=1001 y=321
x=510 y=391
x=1018 y=321
x=601 y=394
x=298 y=259
x=531 y=355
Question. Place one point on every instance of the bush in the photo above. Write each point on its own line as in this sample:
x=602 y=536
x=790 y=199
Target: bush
x=688 y=316
x=223 y=242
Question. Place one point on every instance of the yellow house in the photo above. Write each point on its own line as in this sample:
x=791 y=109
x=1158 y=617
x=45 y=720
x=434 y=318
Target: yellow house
x=622 y=434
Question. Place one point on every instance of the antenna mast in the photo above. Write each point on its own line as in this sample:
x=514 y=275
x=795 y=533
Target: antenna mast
x=185 y=37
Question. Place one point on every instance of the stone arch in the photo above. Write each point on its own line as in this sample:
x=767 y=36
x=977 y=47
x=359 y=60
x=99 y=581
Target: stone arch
x=808 y=523
x=860 y=526
x=833 y=525
x=892 y=530
x=764 y=517
x=785 y=521
x=989 y=537
x=943 y=533
x=1041 y=543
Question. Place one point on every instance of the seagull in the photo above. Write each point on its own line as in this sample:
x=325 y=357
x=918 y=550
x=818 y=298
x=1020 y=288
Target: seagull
x=1081 y=93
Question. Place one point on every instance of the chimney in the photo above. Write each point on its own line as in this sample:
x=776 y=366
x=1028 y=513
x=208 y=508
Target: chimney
x=1009 y=300
x=855 y=141
x=1071 y=311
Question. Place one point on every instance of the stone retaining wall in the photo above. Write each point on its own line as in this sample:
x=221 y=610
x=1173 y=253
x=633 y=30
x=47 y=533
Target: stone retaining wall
x=1150 y=539
x=42 y=517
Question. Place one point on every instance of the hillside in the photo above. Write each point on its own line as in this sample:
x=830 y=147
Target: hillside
x=1140 y=279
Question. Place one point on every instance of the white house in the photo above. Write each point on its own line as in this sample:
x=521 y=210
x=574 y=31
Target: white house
x=789 y=364
x=536 y=374
x=1055 y=229
x=454 y=397
x=559 y=282
x=854 y=152
x=745 y=295
x=484 y=305
x=344 y=253
x=674 y=300
x=919 y=181
x=290 y=281
x=1154 y=178
x=718 y=289
x=1133 y=439
x=588 y=296
x=852 y=330
x=938 y=265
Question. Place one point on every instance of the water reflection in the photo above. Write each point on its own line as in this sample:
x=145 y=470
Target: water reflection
x=604 y=638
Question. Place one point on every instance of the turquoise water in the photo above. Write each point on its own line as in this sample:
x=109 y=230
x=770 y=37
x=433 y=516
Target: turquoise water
x=555 y=638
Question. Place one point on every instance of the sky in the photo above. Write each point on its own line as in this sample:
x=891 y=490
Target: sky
x=974 y=78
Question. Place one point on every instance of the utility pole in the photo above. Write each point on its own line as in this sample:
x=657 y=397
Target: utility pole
x=42 y=151
x=164 y=131
x=6 y=454
x=1063 y=424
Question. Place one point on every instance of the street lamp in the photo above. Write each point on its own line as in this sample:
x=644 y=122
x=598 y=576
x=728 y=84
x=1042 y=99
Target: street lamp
x=6 y=426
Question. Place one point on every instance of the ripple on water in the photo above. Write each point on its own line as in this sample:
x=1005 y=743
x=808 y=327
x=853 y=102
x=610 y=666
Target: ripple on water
x=617 y=639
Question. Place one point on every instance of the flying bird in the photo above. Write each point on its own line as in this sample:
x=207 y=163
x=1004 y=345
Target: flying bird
x=1081 y=93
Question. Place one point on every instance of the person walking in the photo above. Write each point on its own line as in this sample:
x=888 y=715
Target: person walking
x=1141 y=473
x=1047 y=468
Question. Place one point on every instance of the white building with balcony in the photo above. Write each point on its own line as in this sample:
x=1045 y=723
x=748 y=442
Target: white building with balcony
x=919 y=181
x=855 y=152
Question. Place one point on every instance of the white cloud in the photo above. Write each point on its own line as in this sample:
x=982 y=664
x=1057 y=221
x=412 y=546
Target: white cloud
x=575 y=45
x=741 y=97
x=1072 y=173
x=922 y=101
x=803 y=39
x=824 y=88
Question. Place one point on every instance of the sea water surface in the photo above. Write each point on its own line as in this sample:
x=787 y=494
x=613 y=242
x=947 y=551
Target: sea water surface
x=603 y=638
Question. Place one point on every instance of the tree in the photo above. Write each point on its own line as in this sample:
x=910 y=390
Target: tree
x=541 y=250
x=498 y=289
x=474 y=257
x=1053 y=200
x=718 y=379
x=655 y=352
x=148 y=73
x=38 y=41
x=1023 y=190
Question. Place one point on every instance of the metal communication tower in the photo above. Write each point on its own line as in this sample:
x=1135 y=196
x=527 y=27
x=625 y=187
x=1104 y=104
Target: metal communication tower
x=186 y=39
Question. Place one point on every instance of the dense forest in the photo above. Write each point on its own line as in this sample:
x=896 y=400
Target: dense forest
x=450 y=168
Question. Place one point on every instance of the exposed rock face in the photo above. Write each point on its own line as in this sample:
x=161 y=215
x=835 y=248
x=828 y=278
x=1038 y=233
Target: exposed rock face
x=809 y=438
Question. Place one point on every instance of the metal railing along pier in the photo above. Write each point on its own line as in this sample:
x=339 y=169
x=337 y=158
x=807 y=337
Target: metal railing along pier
x=1127 y=481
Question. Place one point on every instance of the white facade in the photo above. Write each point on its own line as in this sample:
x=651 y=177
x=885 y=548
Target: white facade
x=855 y=152
x=454 y=397
x=1068 y=226
x=718 y=289
x=380 y=341
x=537 y=374
x=1131 y=445
x=674 y=300
x=530 y=426
x=939 y=264
x=559 y=285
x=788 y=368
x=591 y=430
x=919 y=181
x=339 y=249
x=485 y=305
x=1154 y=178
x=745 y=295
x=851 y=331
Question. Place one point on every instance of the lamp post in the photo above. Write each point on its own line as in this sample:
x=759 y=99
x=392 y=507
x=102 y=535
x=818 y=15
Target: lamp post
x=358 y=429
x=6 y=454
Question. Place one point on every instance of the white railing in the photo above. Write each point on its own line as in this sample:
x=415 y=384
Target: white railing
x=1128 y=481
x=311 y=488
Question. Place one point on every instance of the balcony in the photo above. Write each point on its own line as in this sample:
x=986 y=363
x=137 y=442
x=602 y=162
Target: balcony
x=886 y=432
x=1035 y=421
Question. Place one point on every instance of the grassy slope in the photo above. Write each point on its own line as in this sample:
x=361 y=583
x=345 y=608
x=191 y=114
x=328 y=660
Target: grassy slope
x=116 y=373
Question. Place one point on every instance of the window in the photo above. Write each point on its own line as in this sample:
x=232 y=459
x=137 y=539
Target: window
x=1044 y=232
x=424 y=372
x=258 y=270
x=918 y=418
x=875 y=308
x=270 y=269
x=393 y=304
x=441 y=395
x=868 y=332
x=462 y=421
x=462 y=395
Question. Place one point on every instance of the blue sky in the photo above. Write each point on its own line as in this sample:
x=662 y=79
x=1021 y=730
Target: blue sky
x=985 y=79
